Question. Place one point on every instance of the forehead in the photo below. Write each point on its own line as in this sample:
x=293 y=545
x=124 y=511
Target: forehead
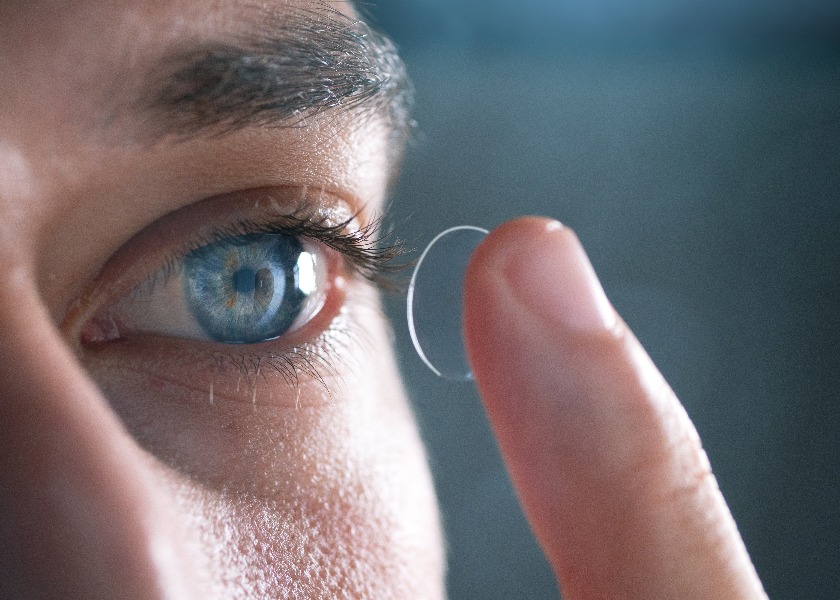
x=119 y=24
x=94 y=55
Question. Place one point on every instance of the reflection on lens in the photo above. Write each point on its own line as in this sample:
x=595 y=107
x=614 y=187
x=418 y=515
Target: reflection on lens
x=435 y=304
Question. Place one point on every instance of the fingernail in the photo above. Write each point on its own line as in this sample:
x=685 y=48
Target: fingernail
x=551 y=276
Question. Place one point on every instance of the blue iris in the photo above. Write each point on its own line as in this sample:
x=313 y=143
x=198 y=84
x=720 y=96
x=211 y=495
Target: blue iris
x=245 y=289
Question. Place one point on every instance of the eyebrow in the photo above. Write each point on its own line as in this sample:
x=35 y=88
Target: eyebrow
x=284 y=71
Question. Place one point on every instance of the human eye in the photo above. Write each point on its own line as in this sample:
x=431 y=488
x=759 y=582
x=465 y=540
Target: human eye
x=240 y=289
x=253 y=281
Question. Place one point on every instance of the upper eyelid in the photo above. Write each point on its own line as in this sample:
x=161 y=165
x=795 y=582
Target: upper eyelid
x=371 y=256
x=358 y=246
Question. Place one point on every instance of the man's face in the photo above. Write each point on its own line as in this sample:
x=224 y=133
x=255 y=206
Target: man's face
x=144 y=450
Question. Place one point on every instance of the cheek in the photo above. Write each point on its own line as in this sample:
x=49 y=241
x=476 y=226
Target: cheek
x=330 y=496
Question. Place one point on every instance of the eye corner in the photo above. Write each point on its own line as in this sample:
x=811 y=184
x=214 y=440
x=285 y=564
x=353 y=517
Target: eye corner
x=97 y=332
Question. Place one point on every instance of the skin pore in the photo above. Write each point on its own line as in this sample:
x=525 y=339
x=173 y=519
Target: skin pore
x=148 y=466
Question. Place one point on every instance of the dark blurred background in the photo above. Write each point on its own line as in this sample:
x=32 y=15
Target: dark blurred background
x=694 y=145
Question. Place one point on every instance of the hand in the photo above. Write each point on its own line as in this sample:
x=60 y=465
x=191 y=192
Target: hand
x=607 y=465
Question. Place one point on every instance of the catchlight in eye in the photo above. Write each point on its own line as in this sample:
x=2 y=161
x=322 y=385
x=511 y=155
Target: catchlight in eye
x=435 y=303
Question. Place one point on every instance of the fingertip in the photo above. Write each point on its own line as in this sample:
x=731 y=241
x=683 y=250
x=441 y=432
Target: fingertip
x=545 y=268
x=506 y=237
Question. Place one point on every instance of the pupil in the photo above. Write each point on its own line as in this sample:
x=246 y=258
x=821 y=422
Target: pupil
x=244 y=281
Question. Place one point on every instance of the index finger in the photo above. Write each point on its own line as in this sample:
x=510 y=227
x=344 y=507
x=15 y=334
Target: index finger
x=608 y=467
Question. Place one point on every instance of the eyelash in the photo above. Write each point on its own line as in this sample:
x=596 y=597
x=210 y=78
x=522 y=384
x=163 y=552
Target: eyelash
x=366 y=252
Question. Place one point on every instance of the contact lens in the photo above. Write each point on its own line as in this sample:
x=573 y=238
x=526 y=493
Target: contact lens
x=435 y=304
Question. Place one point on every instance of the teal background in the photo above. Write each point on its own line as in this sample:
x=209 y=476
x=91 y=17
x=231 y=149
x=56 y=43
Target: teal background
x=695 y=148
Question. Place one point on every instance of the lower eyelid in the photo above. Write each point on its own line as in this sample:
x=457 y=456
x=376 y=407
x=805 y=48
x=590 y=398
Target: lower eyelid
x=206 y=377
x=297 y=372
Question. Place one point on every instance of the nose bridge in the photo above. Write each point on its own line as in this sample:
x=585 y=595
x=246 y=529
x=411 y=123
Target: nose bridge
x=80 y=513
